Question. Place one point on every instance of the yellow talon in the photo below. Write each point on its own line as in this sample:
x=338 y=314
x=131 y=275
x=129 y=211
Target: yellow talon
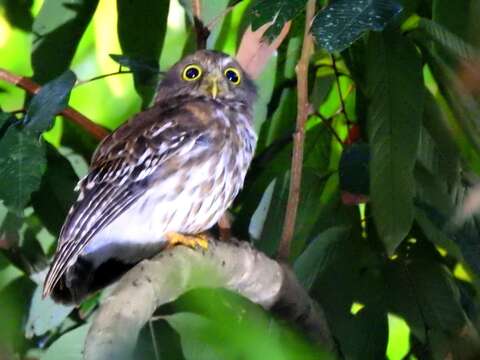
x=192 y=241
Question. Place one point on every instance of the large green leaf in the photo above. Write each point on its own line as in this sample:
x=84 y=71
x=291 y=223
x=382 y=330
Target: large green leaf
x=69 y=346
x=317 y=255
x=49 y=101
x=344 y=21
x=280 y=11
x=57 y=30
x=44 y=314
x=22 y=164
x=395 y=91
x=141 y=31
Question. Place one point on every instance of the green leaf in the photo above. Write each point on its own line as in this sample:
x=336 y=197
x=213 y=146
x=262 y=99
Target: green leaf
x=134 y=64
x=454 y=44
x=22 y=164
x=141 y=31
x=69 y=346
x=44 y=314
x=190 y=326
x=49 y=101
x=395 y=91
x=18 y=13
x=59 y=25
x=317 y=255
x=56 y=193
x=280 y=11
x=344 y=21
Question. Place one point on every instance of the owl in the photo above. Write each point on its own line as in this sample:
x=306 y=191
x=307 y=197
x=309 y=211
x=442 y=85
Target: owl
x=165 y=176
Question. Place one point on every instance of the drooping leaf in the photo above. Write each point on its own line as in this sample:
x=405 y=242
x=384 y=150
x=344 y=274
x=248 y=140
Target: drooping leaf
x=56 y=193
x=58 y=24
x=278 y=12
x=44 y=314
x=49 y=101
x=18 y=13
x=69 y=346
x=22 y=164
x=317 y=254
x=133 y=63
x=141 y=31
x=395 y=91
x=344 y=21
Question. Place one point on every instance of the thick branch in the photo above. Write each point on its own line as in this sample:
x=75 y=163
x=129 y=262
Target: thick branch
x=31 y=87
x=233 y=266
x=299 y=137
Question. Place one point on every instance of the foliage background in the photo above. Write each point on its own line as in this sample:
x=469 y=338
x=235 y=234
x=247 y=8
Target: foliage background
x=383 y=240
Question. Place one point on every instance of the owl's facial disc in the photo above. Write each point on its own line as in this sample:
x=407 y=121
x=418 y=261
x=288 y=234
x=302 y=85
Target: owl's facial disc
x=212 y=86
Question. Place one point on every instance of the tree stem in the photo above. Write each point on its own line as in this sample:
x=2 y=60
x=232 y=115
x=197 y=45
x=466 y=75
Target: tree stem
x=298 y=137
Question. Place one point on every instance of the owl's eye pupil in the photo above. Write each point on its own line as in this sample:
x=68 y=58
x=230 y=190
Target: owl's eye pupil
x=192 y=73
x=232 y=76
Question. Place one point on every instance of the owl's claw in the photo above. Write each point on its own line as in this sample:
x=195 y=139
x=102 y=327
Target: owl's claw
x=192 y=241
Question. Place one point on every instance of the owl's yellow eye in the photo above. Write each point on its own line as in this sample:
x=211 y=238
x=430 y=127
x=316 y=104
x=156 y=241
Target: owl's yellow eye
x=191 y=72
x=233 y=75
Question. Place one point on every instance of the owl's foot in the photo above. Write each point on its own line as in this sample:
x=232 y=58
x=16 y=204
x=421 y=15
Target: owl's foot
x=192 y=241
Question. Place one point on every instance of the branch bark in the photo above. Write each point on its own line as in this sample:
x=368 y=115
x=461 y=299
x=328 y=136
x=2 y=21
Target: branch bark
x=298 y=137
x=235 y=266
x=31 y=87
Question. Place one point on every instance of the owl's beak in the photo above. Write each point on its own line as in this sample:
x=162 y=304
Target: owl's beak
x=212 y=87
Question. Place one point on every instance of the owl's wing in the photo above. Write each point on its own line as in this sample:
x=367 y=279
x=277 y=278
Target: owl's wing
x=120 y=173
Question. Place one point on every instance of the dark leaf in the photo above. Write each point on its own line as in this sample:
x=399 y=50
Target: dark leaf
x=59 y=25
x=317 y=255
x=395 y=91
x=278 y=11
x=18 y=13
x=344 y=21
x=22 y=164
x=56 y=193
x=49 y=101
x=134 y=64
x=141 y=31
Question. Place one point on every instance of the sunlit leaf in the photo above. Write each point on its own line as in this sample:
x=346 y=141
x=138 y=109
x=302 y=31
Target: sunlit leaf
x=69 y=346
x=44 y=314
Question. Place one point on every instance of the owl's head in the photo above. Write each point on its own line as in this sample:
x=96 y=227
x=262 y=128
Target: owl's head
x=208 y=73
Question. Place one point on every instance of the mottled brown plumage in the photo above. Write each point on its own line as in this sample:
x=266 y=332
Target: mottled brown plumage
x=175 y=167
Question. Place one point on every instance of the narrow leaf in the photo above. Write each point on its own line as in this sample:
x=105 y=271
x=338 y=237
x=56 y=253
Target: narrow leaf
x=141 y=32
x=60 y=24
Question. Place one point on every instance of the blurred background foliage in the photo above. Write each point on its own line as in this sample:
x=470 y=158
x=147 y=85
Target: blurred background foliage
x=387 y=234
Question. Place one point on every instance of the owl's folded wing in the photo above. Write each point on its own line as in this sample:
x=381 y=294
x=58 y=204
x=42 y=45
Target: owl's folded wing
x=120 y=173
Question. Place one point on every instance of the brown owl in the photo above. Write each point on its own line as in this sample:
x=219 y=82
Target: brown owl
x=167 y=174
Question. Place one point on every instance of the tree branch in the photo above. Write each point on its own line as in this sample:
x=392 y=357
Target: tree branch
x=298 y=137
x=31 y=87
x=235 y=266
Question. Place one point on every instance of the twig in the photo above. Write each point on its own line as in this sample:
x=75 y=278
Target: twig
x=337 y=78
x=31 y=87
x=328 y=125
x=119 y=72
x=201 y=31
x=298 y=137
